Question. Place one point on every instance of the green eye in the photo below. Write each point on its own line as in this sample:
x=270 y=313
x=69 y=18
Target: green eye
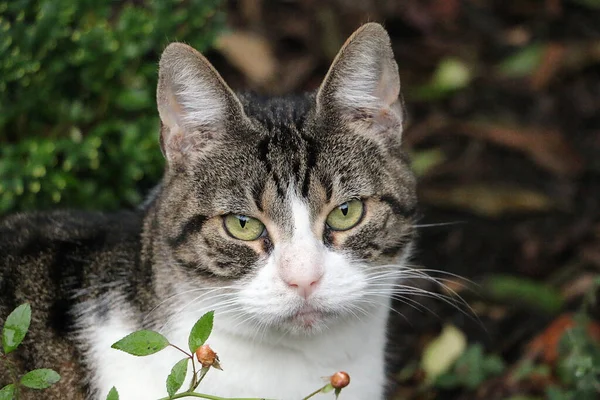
x=346 y=215
x=242 y=227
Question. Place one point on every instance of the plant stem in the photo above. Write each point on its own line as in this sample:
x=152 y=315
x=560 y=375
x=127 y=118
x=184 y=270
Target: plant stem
x=13 y=373
x=181 y=350
x=208 y=396
x=203 y=373
x=193 y=384
x=314 y=393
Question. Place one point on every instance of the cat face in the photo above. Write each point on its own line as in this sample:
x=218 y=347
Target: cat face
x=294 y=212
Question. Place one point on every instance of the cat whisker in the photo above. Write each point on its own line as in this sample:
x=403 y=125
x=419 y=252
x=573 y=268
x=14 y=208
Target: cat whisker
x=193 y=301
x=439 y=224
x=172 y=297
x=389 y=308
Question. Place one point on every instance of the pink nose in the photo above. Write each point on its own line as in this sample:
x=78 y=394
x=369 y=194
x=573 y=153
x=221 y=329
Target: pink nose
x=305 y=285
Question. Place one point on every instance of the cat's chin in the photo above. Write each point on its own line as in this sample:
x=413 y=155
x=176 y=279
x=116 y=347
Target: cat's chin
x=307 y=321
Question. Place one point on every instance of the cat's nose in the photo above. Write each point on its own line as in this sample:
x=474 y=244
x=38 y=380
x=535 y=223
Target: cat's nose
x=304 y=284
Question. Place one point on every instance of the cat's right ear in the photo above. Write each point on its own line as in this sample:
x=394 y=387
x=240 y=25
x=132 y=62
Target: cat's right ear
x=194 y=103
x=363 y=86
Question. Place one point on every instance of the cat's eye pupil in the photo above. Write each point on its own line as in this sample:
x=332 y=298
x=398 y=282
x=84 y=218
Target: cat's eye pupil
x=344 y=209
x=243 y=220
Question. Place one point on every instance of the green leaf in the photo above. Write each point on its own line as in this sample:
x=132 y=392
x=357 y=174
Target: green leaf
x=447 y=380
x=451 y=74
x=15 y=327
x=113 y=394
x=493 y=365
x=424 y=161
x=523 y=62
x=527 y=292
x=177 y=376
x=201 y=331
x=327 y=388
x=40 y=378
x=7 y=392
x=142 y=343
x=556 y=393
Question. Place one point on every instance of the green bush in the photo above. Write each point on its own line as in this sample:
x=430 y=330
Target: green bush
x=78 y=121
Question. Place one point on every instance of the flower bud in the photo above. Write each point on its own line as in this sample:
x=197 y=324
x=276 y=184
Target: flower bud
x=207 y=357
x=340 y=380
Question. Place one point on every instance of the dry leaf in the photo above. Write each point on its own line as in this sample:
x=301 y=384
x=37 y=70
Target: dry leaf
x=547 y=148
x=250 y=53
x=442 y=352
x=488 y=200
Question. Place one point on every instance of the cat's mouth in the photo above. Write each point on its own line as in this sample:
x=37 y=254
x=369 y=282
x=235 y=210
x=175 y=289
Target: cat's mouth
x=308 y=316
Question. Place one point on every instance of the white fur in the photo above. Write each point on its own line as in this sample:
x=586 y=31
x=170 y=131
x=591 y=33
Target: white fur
x=264 y=351
x=359 y=82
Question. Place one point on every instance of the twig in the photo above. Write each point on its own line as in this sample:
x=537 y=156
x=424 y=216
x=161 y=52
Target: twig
x=316 y=392
x=207 y=396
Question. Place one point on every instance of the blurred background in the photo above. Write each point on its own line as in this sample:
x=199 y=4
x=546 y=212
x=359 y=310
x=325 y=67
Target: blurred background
x=503 y=100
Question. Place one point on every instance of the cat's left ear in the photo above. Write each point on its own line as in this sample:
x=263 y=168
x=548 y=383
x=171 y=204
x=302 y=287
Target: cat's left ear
x=194 y=103
x=363 y=85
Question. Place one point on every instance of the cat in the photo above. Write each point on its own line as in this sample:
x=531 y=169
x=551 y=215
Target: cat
x=291 y=217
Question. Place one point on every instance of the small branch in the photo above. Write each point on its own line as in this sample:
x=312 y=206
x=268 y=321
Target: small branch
x=203 y=373
x=13 y=373
x=181 y=350
x=207 y=396
x=316 y=392
x=193 y=384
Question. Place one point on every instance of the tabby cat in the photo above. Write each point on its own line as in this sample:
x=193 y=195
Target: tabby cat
x=291 y=217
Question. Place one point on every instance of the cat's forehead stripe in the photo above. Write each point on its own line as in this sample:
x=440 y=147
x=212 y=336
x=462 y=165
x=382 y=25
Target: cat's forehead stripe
x=289 y=157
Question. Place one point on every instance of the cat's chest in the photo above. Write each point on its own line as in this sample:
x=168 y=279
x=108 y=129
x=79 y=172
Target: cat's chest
x=249 y=368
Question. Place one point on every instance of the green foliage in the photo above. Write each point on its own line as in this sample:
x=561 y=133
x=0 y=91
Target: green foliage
x=7 y=392
x=450 y=76
x=471 y=369
x=424 y=161
x=177 y=376
x=579 y=362
x=526 y=369
x=40 y=378
x=79 y=126
x=113 y=394
x=15 y=327
x=201 y=331
x=14 y=331
x=523 y=62
x=142 y=343
x=528 y=293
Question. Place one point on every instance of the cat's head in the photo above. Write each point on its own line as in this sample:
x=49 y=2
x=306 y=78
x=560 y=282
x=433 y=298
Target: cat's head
x=286 y=213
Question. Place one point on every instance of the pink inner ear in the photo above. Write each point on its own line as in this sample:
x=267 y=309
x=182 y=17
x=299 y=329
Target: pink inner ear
x=388 y=86
x=172 y=111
